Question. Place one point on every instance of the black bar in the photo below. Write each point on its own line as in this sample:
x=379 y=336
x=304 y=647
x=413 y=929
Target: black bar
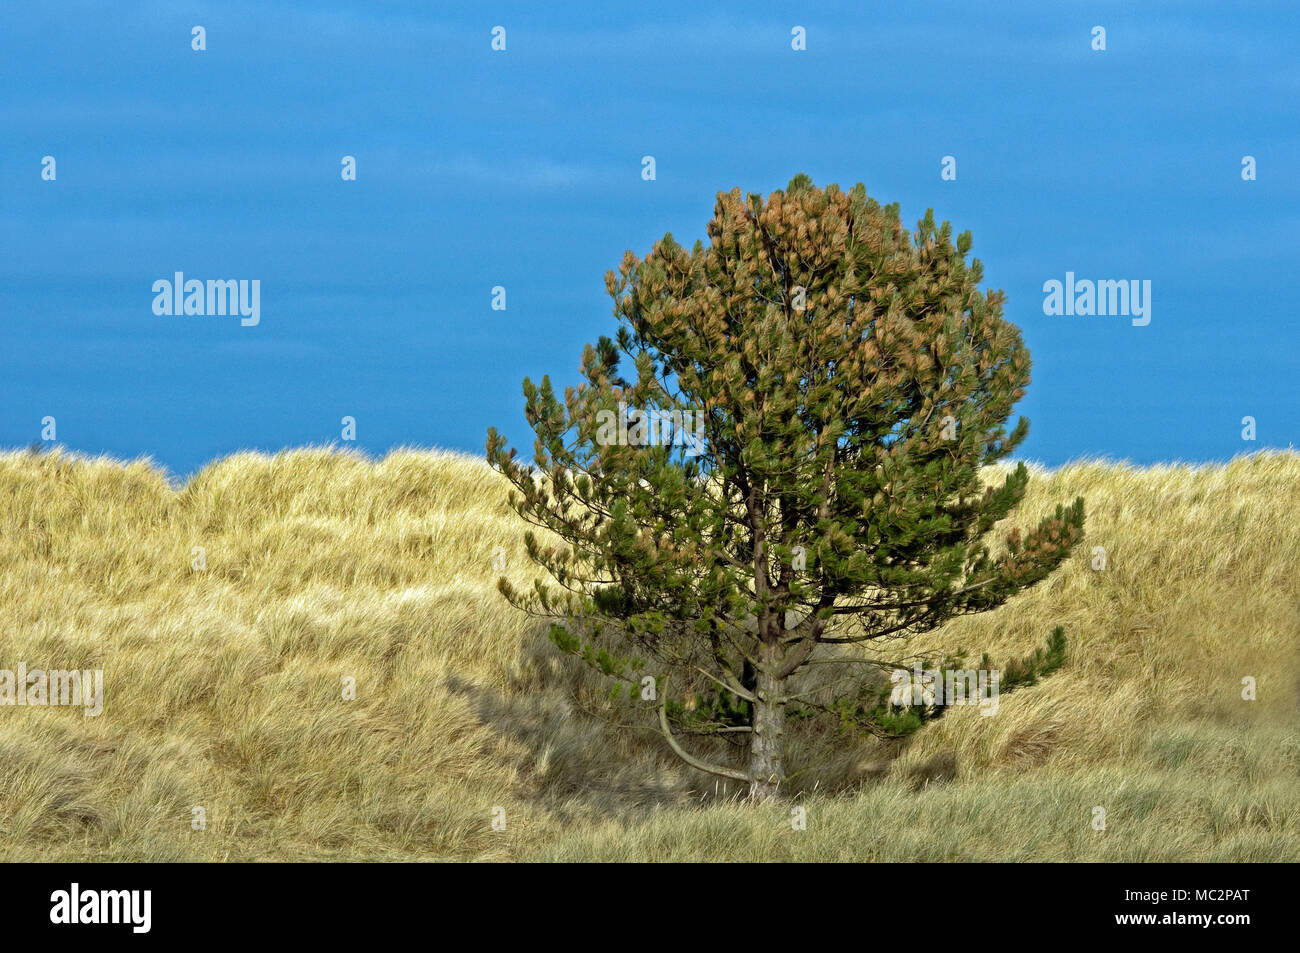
x=931 y=903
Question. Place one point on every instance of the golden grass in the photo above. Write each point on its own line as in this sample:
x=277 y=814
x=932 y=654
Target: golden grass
x=223 y=687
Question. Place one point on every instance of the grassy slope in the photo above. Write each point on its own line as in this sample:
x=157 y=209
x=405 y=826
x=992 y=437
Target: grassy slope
x=223 y=687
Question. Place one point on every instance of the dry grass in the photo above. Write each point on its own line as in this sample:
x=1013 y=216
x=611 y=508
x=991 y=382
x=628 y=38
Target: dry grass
x=223 y=686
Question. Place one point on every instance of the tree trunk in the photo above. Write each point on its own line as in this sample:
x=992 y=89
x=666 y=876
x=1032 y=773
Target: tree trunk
x=767 y=743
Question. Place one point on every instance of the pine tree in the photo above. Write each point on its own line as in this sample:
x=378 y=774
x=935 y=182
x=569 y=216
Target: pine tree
x=776 y=457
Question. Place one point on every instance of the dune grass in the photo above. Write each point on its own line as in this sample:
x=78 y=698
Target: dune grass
x=224 y=685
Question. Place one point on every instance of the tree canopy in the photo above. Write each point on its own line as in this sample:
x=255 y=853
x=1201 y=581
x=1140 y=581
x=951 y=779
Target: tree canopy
x=778 y=455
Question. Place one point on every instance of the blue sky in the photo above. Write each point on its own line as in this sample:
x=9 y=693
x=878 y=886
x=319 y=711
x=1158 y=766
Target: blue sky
x=522 y=169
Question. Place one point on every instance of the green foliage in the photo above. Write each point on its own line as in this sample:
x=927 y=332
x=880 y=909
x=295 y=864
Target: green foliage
x=871 y=711
x=1024 y=672
x=835 y=385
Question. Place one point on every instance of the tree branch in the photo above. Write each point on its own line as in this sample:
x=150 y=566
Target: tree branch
x=733 y=773
x=736 y=689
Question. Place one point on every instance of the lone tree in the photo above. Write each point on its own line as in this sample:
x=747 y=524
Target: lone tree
x=788 y=466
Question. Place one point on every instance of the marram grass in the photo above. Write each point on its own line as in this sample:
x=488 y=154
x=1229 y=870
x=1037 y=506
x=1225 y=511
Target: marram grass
x=223 y=685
